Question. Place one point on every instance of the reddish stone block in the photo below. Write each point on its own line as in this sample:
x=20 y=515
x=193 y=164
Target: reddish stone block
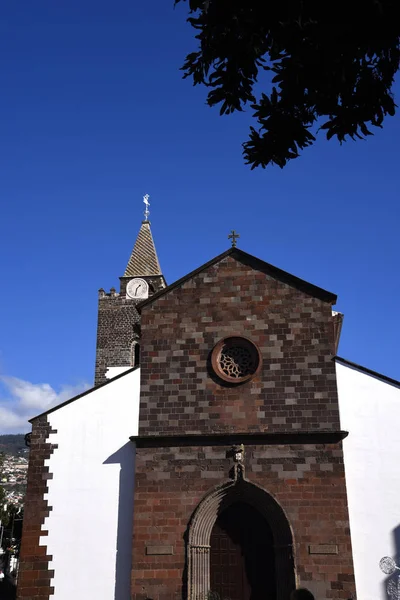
x=34 y=558
x=295 y=390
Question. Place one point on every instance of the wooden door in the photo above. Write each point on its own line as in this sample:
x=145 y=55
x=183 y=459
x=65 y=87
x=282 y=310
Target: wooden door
x=242 y=565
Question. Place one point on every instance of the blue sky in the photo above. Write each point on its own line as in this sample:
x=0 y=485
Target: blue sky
x=94 y=114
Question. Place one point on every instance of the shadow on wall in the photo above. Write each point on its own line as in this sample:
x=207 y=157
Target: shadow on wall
x=391 y=585
x=125 y=457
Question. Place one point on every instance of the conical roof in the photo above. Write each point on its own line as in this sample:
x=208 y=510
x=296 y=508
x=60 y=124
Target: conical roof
x=144 y=259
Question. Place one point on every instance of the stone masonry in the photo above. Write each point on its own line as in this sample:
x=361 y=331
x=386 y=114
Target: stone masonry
x=294 y=393
x=307 y=481
x=118 y=326
x=34 y=578
x=296 y=389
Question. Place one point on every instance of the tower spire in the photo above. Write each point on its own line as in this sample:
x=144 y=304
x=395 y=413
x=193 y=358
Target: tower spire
x=118 y=325
x=143 y=261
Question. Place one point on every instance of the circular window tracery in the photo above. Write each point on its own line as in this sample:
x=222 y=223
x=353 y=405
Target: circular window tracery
x=235 y=359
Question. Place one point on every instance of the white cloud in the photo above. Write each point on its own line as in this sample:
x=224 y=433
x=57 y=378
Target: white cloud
x=21 y=400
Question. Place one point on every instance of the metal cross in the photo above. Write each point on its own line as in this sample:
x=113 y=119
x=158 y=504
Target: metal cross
x=233 y=236
x=147 y=203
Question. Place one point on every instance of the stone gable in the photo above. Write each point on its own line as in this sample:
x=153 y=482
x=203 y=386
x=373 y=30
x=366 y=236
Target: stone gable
x=293 y=394
x=296 y=386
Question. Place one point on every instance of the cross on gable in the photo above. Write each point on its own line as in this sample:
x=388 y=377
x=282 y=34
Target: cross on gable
x=233 y=236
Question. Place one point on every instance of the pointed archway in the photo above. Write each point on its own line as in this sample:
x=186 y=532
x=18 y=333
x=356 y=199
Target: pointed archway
x=232 y=495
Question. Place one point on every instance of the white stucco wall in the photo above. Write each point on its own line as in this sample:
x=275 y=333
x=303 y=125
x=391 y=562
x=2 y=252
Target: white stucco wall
x=114 y=371
x=370 y=411
x=91 y=494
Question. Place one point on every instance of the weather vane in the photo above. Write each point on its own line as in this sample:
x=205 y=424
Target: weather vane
x=233 y=236
x=147 y=203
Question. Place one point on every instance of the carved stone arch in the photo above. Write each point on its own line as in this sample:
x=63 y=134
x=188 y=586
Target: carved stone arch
x=204 y=518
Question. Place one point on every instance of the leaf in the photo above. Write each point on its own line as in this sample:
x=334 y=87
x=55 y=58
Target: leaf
x=324 y=67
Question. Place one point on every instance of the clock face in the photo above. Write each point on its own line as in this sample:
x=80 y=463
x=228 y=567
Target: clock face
x=137 y=288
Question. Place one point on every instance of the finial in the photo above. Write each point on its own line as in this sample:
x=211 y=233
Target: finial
x=233 y=236
x=237 y=453
x=147 y=203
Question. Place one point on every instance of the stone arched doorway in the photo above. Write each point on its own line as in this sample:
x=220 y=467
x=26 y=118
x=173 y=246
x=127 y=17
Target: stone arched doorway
x=240 y=546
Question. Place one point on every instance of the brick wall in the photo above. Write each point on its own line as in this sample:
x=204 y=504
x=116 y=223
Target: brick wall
x=296 y=387
x=34 y=577
x=307 y=481
x=295 y=391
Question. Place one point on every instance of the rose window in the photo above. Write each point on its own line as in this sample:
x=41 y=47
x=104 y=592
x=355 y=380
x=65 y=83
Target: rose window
x=235 y=359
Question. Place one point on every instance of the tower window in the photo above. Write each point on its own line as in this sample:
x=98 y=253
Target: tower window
x=135 y=354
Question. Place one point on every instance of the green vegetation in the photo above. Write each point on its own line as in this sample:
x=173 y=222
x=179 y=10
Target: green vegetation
x=12 y=443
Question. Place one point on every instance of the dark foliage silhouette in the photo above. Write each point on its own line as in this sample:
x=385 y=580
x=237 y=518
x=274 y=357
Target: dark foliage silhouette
x=331 y=68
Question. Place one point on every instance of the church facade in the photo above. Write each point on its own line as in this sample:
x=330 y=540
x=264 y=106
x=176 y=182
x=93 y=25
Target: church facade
x=224 y=452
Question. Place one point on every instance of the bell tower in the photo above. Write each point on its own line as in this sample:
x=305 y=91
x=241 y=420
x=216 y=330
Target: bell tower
x=118 y=324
